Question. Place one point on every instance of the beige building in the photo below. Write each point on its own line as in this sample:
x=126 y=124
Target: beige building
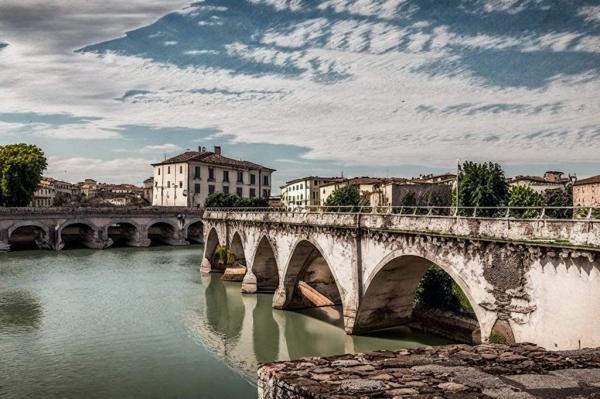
x=148 y=189
x=550 y=181
x=189 y=178
x=45 y=193
x=366 y=186
x=586 y=192
x=303 y=192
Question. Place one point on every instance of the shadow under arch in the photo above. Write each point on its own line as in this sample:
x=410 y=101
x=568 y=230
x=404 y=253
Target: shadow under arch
x=389 y=299
x=194 y=231
x=264 y=266
x=123 y=232
x=307 y=266
x=77 y=234
x=161 y=233
x=237 y=248
x=28 y=235
x=210 y=251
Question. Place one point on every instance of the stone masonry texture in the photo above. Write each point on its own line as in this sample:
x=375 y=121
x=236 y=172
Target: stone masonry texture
x=521 y=371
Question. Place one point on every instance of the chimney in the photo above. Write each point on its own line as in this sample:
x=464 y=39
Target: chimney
x=218 y=149
x=201 y=149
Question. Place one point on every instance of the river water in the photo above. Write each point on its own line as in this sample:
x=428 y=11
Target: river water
x=145 y=323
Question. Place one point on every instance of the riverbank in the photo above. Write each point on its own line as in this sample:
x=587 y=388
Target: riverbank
x=522 y=371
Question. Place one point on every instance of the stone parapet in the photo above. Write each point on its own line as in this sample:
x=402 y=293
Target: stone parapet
x=521 y=371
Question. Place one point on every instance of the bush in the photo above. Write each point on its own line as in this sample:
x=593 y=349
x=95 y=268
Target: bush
x=222 y=200
x=346 y=196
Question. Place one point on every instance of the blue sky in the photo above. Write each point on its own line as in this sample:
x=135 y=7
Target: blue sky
x=367 y=87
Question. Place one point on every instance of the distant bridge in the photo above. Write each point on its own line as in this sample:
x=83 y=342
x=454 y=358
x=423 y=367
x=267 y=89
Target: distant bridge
x=98 y=228
x=527 y=280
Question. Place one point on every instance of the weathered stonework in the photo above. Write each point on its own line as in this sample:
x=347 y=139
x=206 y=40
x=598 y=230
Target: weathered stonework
x=525 y=279
x=96 y=227
x=522 y=371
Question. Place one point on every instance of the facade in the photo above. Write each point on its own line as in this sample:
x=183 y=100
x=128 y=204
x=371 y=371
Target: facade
x=189 y=178
x=44 y=195
x=586 y=192
x=550 y=181
x=446 y=178
x=88 y=188
x=366 y=186
x=303 y=192
x=148 y=189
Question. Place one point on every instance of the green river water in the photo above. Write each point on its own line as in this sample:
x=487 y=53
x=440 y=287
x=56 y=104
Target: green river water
x=145 y=323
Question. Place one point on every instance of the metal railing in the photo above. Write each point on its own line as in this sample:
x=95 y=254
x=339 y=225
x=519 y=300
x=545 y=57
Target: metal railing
x=576 y=213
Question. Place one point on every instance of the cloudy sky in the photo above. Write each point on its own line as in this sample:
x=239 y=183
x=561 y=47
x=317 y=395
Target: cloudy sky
x=367 y=87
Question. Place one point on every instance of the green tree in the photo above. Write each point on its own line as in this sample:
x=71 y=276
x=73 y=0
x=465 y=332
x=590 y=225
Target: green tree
x=346 y=196
x=559 y=198
x=481 y=185
x=21 y=168
x=222 y=200
x=437 y=290
x=524 y=196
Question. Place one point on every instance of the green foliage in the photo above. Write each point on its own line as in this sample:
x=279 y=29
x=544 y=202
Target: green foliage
x=21 y=168
x=437 y=290
x=559 y=198
x=524 y=196
x=222 y=200
x=344 y=196
x=481 y=185
x=496 y=339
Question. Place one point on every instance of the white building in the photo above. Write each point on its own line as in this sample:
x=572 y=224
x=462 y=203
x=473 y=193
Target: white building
x=189 y=178
x=303 y=192
x=551 y=180
x=45 y=193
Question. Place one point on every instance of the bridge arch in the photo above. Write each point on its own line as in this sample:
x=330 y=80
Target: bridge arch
x=125 y=231
x=209 y=261
x=163 y=231
x=83 y=232
x=264 y=266
x=236 y=248
x=193 y=230
x=29 y=234
x=390 y=290
x=308 y=271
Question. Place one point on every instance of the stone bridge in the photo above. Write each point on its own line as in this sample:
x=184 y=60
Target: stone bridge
x=98 y=228
x=526 y=280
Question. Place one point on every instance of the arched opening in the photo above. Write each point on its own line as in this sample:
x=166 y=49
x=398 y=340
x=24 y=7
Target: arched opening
x=78 y=235
x=211 y=252
x=161 y=233
x=28 y=237
x=195 y=232
x=237 y=250
x=411 y=290
x=264 y=267
x=309 y=283
x=123 y=234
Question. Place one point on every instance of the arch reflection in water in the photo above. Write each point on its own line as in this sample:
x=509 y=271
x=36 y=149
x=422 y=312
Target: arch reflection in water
x=245 y=330
x=19 y=309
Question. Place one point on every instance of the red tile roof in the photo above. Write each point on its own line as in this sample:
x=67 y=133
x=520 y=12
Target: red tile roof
x=589 y=180
x=211 y=158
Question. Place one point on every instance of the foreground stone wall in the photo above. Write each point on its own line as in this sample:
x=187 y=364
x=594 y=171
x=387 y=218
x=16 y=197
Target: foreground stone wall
x=522 y=371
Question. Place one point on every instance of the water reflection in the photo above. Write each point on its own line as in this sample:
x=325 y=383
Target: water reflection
x=19 y=309
x=244 y=330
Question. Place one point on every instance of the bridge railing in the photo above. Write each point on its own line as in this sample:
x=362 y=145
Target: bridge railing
x=88 y=211
x=575 y=213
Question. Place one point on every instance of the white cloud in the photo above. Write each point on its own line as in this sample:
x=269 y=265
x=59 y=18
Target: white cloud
x=161 y=148
x=133 y=170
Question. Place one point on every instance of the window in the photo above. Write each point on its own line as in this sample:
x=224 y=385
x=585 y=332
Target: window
x=197 y=172
x=265 y=180
x=211 y=173
x=252 y=192
x=168 y=170
x=265 y=194
x=239 y=191
x=197 y=188
x=180 y=169
x=180 y=184
x=252 y=178
x=168 y=184
x=226 y=176
x=156 y=184
x=240 y=176
x=211 y=189
x=159 y=172
x=226 y=189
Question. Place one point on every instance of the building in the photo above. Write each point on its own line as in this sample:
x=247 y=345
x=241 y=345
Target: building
x=148 y=188
x=45 y=193
x=366 y=185
x=303 y=192
x=446 y=178
x=189 y=178
x=550 y=181
x=586 y=192
x=88 y=188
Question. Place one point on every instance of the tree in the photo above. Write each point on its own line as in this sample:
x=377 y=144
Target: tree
x=345 y=196
x=437 y=290
x=481 y=185
x=524 y=196
x=21 y=168
x=559 y=198
x=222 y=200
